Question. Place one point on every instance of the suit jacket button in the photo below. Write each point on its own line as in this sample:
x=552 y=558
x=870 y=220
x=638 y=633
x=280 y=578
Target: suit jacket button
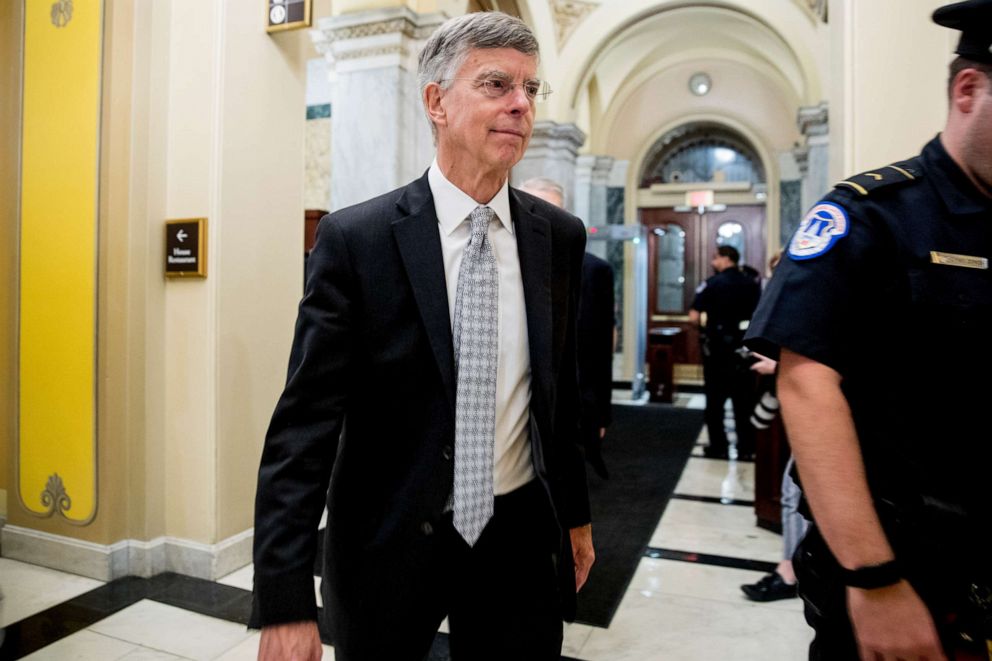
x=426 y=528
x=448 y=452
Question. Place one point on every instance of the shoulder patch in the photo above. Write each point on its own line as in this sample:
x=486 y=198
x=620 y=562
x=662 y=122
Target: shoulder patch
x=896 y=173
x=823 y=226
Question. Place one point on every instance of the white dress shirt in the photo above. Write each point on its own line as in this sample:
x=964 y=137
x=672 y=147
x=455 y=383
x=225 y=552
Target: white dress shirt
x=512 y=464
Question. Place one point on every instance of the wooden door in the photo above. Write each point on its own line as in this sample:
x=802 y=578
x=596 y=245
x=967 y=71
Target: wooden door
x=680 y=247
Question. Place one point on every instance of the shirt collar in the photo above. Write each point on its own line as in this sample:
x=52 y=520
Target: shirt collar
x=453 y=205
x=952 y=184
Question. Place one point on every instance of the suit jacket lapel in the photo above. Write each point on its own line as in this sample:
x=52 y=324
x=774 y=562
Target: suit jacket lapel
x=533 y=234
x=417 y=237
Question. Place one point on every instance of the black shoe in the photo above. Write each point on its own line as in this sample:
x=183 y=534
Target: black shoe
x=770 y=588
x=713 y=453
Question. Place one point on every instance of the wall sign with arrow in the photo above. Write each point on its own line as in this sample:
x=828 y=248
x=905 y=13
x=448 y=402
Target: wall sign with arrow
x=186 y=248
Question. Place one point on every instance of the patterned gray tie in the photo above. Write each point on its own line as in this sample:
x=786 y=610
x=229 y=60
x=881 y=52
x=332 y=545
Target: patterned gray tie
x=476 y=354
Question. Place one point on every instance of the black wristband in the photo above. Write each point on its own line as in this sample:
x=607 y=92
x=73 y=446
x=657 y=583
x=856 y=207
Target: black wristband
x=874 y=576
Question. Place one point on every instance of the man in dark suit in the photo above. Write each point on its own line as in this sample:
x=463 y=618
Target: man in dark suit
x=597 y=325
x=596 y=344
x=432 y=396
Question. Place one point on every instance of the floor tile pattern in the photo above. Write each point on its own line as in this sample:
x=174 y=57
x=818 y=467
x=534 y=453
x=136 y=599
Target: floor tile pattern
x=683 y=604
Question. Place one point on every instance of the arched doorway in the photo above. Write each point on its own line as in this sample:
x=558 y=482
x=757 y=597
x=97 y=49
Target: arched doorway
x=710 y=184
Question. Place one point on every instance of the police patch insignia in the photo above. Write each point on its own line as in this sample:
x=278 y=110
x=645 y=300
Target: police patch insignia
x=819 y=231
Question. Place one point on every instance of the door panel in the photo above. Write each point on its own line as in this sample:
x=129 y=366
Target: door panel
x=743 y=227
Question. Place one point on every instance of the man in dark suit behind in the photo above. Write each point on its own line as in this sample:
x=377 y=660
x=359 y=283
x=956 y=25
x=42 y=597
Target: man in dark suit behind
x=597 y=318
x=432 y=399
x=597 y=324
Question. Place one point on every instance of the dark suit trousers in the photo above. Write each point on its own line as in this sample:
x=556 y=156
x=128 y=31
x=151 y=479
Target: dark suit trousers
x=500 y=596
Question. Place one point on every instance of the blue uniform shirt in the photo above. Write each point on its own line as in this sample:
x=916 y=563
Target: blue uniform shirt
x=887 y=281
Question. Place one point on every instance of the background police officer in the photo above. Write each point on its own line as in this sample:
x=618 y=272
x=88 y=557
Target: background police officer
x=728 y=299
x=883 y=315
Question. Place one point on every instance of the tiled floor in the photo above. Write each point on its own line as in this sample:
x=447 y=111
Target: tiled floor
x=673 y=610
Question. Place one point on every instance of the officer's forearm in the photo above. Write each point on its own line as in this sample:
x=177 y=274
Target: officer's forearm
x=824 y=442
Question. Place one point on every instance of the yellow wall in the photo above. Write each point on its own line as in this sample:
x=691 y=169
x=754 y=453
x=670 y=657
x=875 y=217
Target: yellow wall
x=116 y=441
x=188 y=371
x=10 y=73
x=57 y=310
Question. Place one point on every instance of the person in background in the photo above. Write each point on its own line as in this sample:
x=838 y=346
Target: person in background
x=880 y=316
x=597 y=324
x=728 y=299
x=780 y=583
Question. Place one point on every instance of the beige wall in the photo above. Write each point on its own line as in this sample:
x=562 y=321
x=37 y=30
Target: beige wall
x=260 y=257
x=420 y=6
x=234 y=145
x=887 y=95
x=10 y=108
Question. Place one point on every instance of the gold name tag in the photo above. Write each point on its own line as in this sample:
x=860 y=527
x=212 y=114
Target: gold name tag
x=950 y=259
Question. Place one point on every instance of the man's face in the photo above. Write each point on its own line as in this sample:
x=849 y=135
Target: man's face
x=481 y=133
x=720 y=263
x=977 y=148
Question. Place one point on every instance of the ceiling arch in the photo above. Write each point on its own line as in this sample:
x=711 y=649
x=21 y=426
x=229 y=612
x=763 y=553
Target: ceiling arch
x=623 y=36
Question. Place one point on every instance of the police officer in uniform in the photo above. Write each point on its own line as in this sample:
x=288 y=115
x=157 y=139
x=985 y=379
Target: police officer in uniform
x=882 y=313
x=728 y=299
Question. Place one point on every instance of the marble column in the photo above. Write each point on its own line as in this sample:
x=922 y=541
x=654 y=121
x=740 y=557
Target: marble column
x=592 y=179
x=791 y=165
x=616 y=186
x=552 y=153
x=382 y=137
x=814 y=161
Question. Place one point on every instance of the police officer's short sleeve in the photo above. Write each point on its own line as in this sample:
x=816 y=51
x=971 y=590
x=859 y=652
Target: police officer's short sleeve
x=699 y=301
x=819 y=292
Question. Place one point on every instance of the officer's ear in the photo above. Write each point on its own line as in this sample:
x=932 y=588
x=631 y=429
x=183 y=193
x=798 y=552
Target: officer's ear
x=968 y=84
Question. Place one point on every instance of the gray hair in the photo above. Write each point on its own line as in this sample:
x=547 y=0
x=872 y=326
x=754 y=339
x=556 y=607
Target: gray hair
x=543 y=184
x=446 y=50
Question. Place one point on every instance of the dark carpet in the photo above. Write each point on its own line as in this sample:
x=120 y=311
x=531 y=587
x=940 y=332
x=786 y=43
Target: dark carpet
x=646 y=449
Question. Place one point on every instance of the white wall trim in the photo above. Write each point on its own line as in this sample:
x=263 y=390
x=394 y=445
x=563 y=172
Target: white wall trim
x=128 y=557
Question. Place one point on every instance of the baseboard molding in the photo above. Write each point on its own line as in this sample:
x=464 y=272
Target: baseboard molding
x=129 y=557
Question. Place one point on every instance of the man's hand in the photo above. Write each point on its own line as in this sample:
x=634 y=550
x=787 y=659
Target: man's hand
x=893 y=623
x=765 y=365
x=293 y=641
x=583 y=554
x=602 y=433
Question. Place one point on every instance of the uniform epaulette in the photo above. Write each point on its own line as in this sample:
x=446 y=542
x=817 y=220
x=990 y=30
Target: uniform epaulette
x=897 y=173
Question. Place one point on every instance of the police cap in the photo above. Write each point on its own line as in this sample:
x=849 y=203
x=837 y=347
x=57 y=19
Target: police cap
x=974 y=19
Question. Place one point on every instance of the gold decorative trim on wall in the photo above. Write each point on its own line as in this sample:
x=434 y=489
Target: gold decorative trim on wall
x=817 y=9
x=61 y=13
x=54 y=497
x=568 y=15
x=59 y=175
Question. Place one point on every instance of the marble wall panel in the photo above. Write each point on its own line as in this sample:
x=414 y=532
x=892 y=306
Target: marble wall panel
x=381 y=137
x=317 y=186
x=791 y=208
